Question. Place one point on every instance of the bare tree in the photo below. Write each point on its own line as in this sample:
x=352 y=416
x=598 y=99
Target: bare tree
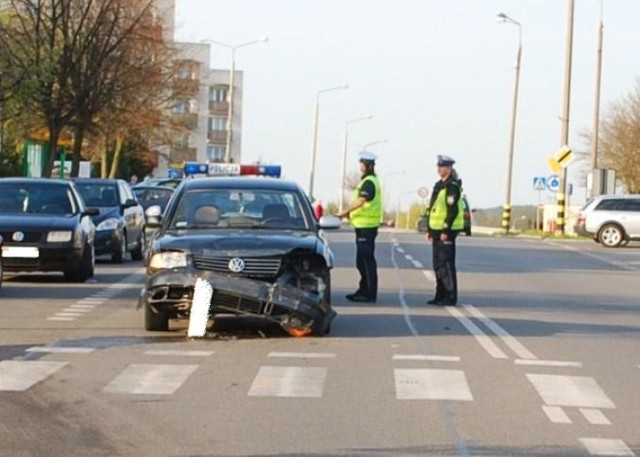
x=619 y=142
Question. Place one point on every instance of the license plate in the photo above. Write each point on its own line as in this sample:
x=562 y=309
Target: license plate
x=22 y=252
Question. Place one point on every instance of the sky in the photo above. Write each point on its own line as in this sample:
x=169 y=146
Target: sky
x=437 y=76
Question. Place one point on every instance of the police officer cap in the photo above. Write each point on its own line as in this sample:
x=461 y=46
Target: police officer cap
x=445 y=161
x=366 y=156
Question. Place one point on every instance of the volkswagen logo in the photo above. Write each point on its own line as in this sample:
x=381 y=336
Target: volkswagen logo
x=236 y=265
x=17 y=236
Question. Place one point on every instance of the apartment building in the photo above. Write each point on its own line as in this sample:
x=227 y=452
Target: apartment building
x=201 y=130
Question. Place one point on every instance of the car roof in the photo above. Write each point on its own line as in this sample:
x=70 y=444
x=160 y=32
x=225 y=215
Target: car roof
x=155 y=188
x=52 y=181
x=96 y=180
x=240 y=183
x=611 y=197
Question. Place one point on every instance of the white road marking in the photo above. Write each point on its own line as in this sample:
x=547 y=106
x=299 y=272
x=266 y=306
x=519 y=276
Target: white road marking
x=62 y=319
x=77 y=310
x=150 y=379
x=408 y=257
x=509 y=340
x=484 y=341
x=91 y=301
x=429 y=275
x=20 y=375
x=431 y=358
x=548 y=363
x=417 y=264
x=578 y=391
x=595 y=416
x=302 y=355
x=177 y=353
x=556 y=415
x=60 y=350
x=87 y=307
x=69 y=314
x=400 y=250
x=427 y=384
x=602 y=446
x=289 y=382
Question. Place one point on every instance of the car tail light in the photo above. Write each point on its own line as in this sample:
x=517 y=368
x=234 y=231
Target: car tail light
x=581 y=219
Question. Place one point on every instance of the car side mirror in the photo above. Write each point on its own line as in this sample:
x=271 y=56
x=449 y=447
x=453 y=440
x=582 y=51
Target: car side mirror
x=329 y=223
x=153 y=215
x=130 y=203
x=92 y=211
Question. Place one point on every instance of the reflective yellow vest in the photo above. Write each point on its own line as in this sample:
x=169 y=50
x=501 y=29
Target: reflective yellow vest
x=369 y=214
x=438 y=213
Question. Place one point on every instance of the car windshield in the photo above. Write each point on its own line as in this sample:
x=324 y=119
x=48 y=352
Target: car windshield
x=20 y=198
x=250 y=208
x=101 y=195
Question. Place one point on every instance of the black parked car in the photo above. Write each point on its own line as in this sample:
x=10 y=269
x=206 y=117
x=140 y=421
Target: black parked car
x=45 y=226
x=120 y=223
x=258 y=244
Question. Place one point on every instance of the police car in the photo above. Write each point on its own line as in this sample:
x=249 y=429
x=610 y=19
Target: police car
x=254 y=238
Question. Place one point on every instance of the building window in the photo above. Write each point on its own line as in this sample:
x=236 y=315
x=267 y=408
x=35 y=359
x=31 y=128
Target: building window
x=215 y=153
x=193 y=106
x=182 y=140
x=180 y=108
x=218 y=94
x=217 y=123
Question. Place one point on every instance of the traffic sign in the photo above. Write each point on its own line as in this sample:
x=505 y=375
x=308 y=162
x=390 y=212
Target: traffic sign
x=423 y=192
x=539 y=183
x=562 y=159
x=553 y=183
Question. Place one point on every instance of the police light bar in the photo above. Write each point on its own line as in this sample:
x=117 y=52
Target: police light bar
x=232 y=169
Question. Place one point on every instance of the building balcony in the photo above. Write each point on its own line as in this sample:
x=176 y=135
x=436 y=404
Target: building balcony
x=185 y=87
x=186 y=120
x=218 y=108
x=217 y=136
x=183 y=154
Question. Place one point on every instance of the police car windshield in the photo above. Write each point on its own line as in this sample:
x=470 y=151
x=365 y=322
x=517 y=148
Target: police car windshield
x=239 y=208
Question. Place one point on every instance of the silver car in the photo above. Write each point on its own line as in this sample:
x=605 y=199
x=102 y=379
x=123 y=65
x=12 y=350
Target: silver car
x=612 y=220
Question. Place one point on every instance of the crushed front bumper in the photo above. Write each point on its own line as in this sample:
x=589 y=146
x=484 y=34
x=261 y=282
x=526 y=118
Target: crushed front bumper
x=171 y=292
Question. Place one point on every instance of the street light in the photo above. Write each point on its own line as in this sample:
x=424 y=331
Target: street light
x=596 y=107
x=344 y=157
x=561 y=205
x=506 y=214
x=314 y=146
x=232 y=72
x=384 y=189
x=400 y=195
x=368 y=145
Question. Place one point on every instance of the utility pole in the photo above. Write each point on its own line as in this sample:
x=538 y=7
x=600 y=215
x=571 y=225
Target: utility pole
x=596 y=107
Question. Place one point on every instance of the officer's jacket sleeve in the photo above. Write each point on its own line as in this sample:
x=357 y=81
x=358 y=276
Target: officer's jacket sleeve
x=453 y=197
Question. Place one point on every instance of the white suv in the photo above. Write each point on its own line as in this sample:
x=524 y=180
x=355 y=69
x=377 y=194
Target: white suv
x=612 y=220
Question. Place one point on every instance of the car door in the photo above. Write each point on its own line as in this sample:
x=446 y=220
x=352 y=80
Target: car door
x=132 y=213
x=632 y=210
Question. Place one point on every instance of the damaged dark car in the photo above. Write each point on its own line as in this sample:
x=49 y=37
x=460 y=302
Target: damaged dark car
x=258 y=244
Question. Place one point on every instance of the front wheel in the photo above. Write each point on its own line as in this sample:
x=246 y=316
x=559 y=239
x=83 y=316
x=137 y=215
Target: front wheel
x=138 y=252
x=121 y=252
x=155 y=322
x=611 y=236
x=84 y=268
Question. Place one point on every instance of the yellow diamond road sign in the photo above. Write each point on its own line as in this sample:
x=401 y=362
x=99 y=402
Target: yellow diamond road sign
x=562 y=159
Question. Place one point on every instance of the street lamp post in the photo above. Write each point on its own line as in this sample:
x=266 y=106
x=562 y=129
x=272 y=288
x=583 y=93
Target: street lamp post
x=344 y=157
x=596 y=107
x=506 y=213
x=314 y=145
x=231 y=96
x=564 y=138
x=373 y=143
x=384 y=189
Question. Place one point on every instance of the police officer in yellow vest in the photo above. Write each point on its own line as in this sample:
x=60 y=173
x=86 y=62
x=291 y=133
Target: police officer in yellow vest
x=446 y=220
x=364 y=214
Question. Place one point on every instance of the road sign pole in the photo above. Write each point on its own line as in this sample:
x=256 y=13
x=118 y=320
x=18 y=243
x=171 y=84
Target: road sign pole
x=538 y=212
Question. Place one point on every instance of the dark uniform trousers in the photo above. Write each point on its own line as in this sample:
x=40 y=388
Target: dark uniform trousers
x=444 y=265
x=366 y=261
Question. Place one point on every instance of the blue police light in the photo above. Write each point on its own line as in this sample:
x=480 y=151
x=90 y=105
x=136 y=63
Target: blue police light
x=195 y=168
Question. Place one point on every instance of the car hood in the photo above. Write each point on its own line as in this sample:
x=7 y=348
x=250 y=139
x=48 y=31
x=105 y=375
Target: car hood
x=232 y=243
x=43 y=222
x=106 y=213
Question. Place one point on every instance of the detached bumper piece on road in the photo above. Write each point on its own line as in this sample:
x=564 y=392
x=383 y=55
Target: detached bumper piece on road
x=299 y=312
